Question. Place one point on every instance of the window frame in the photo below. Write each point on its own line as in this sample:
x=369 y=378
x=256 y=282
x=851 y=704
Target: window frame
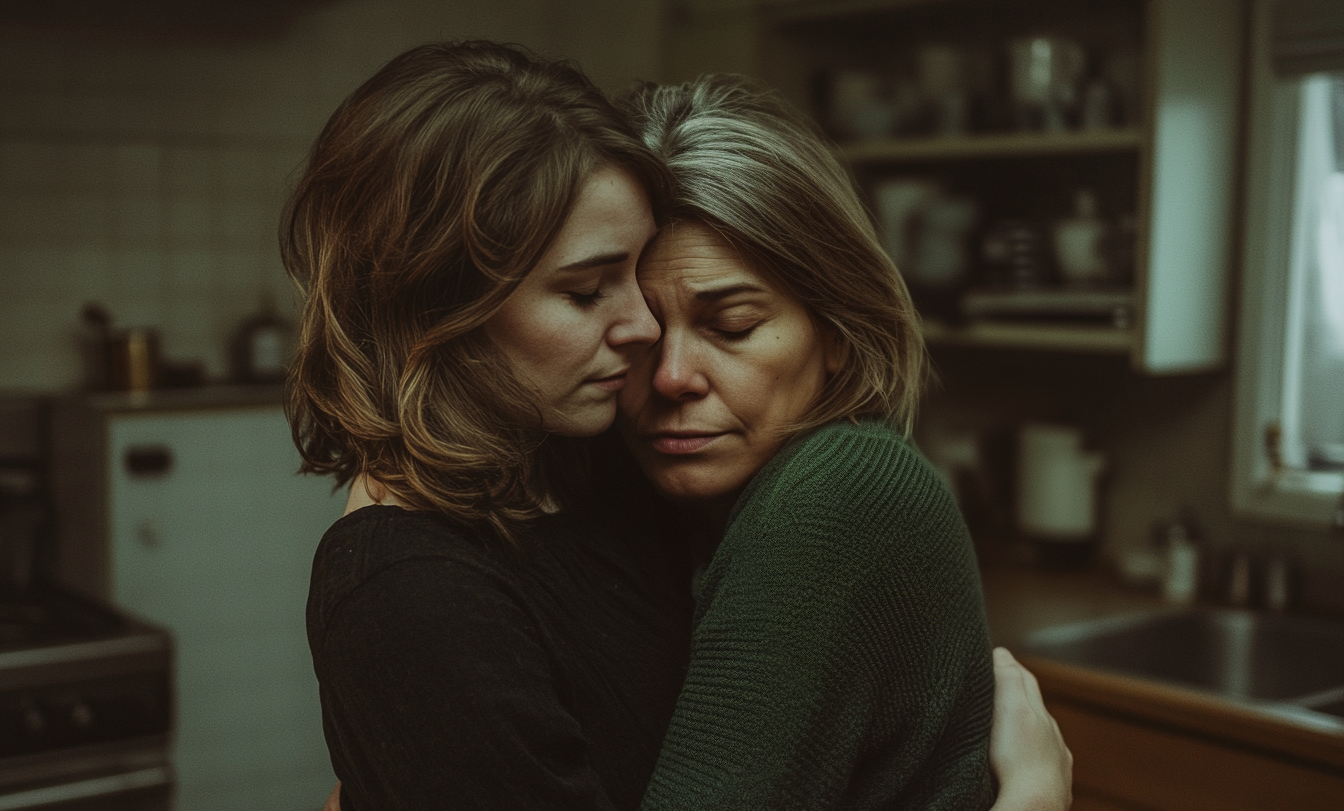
x=1302 y=497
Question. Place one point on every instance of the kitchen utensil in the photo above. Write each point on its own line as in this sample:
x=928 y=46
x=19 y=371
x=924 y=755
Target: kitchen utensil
x=1045 y=72
x=1181 y=578
x=898 y=201
x=1014 y=255
x=1283 y=579
x=262 y=346
x=859 y=105
x=1082 y=242
x=943 y=224
x=927 y=234
x=943 y=81
x=121 y=359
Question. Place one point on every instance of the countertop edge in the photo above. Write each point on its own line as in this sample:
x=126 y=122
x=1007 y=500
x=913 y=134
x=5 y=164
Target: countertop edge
x=1180 y=709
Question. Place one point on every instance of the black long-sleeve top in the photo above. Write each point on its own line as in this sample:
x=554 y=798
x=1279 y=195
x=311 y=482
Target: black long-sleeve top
x=458 y=673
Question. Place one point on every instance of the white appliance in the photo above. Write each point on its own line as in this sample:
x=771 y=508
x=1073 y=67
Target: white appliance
x=191 y=515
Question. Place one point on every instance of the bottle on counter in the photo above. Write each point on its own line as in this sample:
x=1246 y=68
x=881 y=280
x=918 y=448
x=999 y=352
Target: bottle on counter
x=1282 y=583
x=1181 y=581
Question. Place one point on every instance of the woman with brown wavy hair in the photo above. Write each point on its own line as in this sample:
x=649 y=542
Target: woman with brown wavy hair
x=497 y=621
x=466 y=232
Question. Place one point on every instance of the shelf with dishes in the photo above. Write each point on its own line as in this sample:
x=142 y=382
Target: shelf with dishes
x=1023 y=164
x=1039 y=336
x=1070 y=318
x=1038 y=253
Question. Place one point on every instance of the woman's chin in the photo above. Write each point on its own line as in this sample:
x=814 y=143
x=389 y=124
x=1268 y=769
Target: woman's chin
x=586 y=423
x=691 y=485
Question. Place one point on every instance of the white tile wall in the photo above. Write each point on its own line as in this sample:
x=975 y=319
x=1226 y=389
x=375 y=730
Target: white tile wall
x=148 y=177
x=135 y=224
x=148 y=174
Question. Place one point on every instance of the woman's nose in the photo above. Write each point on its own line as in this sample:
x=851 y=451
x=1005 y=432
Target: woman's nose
x=637 y=325
x=677 y=375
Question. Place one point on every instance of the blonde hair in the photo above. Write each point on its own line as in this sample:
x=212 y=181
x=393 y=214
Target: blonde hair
x=429 y=195
x=760 y=174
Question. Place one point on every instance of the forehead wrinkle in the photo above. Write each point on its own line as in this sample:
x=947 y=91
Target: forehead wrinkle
x=695 y=265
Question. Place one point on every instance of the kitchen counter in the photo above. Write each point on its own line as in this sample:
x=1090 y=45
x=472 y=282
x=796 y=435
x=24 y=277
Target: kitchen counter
x=1139 y=743
x=186 y=399
x=1021 y=599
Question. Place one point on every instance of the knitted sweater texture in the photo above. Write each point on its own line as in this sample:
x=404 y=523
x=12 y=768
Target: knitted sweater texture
x=840 y=655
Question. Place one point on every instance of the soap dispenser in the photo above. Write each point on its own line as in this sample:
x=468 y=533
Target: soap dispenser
x=1181 y=581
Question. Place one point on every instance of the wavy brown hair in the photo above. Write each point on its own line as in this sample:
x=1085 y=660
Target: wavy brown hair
x=748 y=165
x=431 y=192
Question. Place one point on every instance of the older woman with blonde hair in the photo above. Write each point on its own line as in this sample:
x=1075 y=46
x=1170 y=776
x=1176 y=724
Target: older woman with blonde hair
x=840 y=654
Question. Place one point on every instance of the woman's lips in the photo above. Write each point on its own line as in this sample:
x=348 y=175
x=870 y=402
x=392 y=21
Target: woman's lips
x=680 y=444
x=613 y=383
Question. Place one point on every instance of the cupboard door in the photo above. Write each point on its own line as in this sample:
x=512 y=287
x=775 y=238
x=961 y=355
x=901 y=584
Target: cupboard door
x=212 y=536
x=1128 y=762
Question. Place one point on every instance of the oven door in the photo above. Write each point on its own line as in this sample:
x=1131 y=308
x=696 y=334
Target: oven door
x=132 y=773
x=147 y=789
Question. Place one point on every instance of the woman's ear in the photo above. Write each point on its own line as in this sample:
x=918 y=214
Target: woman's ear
x=835 y=350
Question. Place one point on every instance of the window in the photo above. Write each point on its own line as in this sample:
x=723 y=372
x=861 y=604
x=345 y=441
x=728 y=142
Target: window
x=1313 y=390
x=1289 y=443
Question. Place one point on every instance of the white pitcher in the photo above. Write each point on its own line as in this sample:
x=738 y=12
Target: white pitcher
x=1056 y=483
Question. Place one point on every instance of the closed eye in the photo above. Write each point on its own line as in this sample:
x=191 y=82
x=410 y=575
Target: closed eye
x=734 y=335
x=583 y=299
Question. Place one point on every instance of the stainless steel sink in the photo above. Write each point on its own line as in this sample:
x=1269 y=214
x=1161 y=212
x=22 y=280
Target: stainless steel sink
x=1245 y=656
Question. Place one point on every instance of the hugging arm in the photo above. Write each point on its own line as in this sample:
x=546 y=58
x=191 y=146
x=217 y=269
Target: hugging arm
x=437 y=694
x=1029 y=756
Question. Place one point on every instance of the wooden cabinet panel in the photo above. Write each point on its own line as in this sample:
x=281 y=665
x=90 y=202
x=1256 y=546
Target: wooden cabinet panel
x=1159 y=769
x=1084 y=801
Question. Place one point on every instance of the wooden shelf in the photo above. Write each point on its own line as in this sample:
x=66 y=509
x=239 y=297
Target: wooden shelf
x=1054 y=337
x=994 y=145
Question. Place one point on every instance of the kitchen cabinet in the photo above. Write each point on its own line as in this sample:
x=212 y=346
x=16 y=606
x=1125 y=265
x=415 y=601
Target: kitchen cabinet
x=1161 y=156
x=195 y=519
x=1160 y=757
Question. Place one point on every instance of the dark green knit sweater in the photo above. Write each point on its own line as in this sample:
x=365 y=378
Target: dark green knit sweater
x=841 y=657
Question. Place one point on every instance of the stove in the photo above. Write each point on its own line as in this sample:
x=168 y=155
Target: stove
x=86 y=705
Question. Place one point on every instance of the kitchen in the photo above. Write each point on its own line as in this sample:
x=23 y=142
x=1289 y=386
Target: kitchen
x=145 y=160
